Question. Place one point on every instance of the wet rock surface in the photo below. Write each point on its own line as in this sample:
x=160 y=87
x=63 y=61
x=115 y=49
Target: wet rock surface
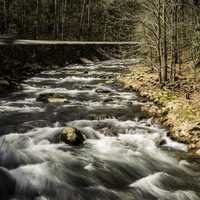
x=52 y=98
x=71 y=136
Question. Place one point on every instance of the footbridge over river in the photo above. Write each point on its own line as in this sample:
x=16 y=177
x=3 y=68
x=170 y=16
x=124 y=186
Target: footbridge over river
x=68 y=43
x=48 y=52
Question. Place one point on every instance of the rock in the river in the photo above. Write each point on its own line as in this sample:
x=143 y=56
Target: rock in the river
x=102 y=90
x=107 y=100
x=110 y=82
x=4 y=84
x=71 y=136
x=85 y=61
x=85 y=72
x=9 y=84
x=95 y=59
x=162 y=142
x=52 y=98
x=198 y=152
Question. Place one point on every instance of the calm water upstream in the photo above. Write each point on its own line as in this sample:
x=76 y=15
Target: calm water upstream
x=120 y=159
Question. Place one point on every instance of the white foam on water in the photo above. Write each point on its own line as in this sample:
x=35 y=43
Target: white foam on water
x=23 y=109
x=175 y=145
x=112 y=149
x=81 y=67
x=30 y=89
x=186 y=166
x=152 y=185
x=25 y=101
x=43 y=133
x=89 y=167
x=77 y=79
x=36 y=177
x=39 y=79
x=136 y=145
x=54 y=72
x=186 y=195
x=126 y=95
x=104 y=73
x=72 y=93
x=129 y=125
x=34 y=147
x=101 y=105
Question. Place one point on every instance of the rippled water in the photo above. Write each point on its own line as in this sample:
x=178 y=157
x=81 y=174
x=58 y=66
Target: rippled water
x=121 y=158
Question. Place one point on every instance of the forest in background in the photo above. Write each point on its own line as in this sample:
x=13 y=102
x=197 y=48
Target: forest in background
x=170 y=30
x=94 y=20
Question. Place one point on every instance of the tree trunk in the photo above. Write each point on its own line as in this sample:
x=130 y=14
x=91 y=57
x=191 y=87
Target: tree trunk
x=165 y=50
x=159 y=41
x=5 y=16
x=55 y=19
x=174 y=40
x=82 y=18
x=37 y=21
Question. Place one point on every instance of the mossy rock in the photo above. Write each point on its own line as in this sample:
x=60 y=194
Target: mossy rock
x=9 y=84
x=52 y=98
x=71 y=136
x=4 y=84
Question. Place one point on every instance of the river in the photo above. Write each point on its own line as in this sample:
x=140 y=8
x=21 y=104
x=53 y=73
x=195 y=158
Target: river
x=121 y=159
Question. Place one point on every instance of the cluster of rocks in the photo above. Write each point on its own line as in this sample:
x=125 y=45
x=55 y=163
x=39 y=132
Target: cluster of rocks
x=14 y=72
x=7 y=83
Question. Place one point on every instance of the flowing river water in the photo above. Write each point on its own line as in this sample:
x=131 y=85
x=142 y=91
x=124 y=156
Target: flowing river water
x=121 y=159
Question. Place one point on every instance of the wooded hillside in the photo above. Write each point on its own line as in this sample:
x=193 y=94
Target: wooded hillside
x=170 y=30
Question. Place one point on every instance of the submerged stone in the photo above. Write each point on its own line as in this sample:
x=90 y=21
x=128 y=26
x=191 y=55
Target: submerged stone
x=86 y=61
x=71 y=136
x=4 y=84
x=107 y=100
x=102 y=90
x=9 y=84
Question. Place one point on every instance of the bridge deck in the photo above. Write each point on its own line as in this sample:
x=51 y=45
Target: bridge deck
x=48 y=42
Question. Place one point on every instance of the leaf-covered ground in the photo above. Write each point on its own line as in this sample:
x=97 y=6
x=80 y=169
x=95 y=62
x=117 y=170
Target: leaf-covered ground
x=176 y=104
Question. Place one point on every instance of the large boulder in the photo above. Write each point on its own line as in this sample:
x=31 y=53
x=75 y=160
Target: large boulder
x=72 y=136
x=52 y=98
x=9 y=84
x=4 y=84
x=86 y=61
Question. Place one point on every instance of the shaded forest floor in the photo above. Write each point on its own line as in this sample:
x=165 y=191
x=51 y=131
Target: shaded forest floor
x=176 y=105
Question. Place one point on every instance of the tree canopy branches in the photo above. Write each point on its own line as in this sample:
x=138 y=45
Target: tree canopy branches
x=108 y=20
x=170 y=30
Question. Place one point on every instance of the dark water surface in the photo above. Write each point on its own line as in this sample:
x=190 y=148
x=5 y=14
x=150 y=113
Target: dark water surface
x=121 y=158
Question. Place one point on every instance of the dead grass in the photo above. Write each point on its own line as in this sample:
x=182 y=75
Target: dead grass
x=178 y=113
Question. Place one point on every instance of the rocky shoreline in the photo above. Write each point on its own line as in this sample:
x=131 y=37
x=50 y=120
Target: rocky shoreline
x=18 y=62
x=12 y=73
x=169 y=106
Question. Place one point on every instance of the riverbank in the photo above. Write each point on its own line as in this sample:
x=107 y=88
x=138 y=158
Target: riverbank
x=176 y=105
x=18 y=62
